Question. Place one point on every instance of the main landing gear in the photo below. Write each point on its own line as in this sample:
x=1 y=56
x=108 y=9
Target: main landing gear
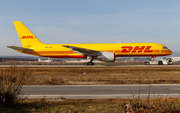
x=89 y=59
x=88 y=63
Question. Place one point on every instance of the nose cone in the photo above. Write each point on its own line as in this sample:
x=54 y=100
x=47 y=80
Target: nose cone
x=170 y=52
x=165 y=50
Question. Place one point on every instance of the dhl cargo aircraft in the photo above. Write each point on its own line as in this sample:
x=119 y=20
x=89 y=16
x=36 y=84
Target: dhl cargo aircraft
x=106 y=52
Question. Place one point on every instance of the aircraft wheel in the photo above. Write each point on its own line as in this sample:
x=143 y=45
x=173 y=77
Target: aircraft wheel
x=160 y=63
x=86 y=63
x=147 y=63
x=89 y=63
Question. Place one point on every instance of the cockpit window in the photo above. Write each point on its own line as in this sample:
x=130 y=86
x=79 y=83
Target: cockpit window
x=165 y=48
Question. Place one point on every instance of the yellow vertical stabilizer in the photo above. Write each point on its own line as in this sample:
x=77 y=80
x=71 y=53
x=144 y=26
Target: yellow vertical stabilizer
x=26 y=37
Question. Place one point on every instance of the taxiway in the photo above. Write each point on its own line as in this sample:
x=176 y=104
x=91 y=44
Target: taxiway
x=103 y=91
x=92 y=66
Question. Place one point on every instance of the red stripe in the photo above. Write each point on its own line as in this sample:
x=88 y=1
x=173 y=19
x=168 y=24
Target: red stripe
x=156 y=51
x=165 y=51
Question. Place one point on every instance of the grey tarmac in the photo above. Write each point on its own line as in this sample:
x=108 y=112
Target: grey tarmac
x=103 y=91
x=93 y=66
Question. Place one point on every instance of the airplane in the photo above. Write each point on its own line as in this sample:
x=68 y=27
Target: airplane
x=106 y=52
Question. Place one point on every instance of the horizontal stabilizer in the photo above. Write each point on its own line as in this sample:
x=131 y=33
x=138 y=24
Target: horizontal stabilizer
x=20 y=48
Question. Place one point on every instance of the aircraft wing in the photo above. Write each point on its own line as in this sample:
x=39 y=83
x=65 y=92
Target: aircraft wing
x=84 y=51
x=20 y=48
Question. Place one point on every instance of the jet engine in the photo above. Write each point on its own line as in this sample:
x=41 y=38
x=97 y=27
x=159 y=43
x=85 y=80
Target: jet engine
x=106 y=56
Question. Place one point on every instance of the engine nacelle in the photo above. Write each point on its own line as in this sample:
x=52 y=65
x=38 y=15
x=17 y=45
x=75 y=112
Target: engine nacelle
x=107 y=57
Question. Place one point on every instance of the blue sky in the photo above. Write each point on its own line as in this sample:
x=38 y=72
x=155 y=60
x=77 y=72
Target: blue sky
x=91 y=21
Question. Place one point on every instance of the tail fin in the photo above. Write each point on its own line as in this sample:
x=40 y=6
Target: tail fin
x=26 y=37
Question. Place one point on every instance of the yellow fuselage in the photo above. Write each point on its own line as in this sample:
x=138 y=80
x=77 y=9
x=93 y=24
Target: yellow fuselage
x=119 y=49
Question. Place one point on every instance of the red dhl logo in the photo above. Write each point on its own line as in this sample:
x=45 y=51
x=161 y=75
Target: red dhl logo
x=27 y=37
x=138 y=49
